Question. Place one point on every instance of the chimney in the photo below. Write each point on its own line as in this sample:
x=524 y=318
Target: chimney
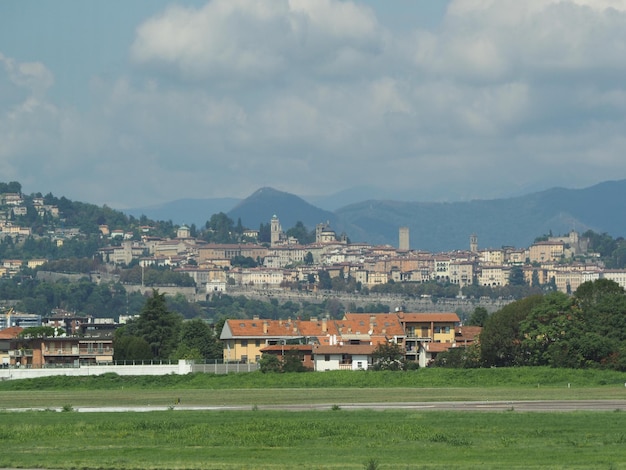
x=324 y=325
x=265 y=325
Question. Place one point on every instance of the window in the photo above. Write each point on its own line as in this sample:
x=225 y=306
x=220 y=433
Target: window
x=244 y=343
x=244 y=358
x=257 y=343
x=327 y=357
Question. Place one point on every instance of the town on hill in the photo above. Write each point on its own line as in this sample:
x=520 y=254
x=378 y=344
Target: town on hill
x=87 y=270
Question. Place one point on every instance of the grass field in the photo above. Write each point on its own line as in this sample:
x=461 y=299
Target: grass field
x=335 y=439
x=324 y=439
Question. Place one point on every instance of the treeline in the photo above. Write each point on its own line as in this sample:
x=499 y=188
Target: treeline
x=161 y=333
x=585 y=330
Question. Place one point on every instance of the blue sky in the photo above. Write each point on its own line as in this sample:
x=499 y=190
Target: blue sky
x=136 y=103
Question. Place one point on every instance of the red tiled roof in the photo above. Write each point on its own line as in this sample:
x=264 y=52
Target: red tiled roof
x=345 y=349
x=288 y=347
x=429 y=317
x=438 y=347
x=11 y=332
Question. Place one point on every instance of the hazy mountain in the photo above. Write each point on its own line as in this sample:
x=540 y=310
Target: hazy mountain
x=513 y=221
x=260 y=206
x=186 y=211
x=434 y=226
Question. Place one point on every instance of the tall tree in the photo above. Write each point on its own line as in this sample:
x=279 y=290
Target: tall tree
x=159 y=326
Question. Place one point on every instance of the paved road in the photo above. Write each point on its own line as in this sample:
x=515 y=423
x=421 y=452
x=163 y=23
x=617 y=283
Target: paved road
x=538 y=405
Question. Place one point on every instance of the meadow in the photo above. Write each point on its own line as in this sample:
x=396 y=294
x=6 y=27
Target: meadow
x=332 y=438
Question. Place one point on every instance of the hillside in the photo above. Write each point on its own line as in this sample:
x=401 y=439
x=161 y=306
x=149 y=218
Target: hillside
x=514 y=221
x=434 y=226
x=259 y=208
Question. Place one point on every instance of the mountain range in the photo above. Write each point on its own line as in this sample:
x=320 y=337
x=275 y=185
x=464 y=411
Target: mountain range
x=433 y=226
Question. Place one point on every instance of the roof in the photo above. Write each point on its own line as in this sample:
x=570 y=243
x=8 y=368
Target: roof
x=365 y=349
x=429 y=317
x=467 y=334
x=263 y=328
x=11 y=332
x=287 y=347
x=438 y=347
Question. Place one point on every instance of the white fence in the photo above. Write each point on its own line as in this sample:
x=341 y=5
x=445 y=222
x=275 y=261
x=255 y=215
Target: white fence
x=181 y=368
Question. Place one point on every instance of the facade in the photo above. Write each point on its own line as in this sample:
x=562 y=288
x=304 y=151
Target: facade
x=65 y=351
x=427 y=334
x=346 y=343
x=343 y=357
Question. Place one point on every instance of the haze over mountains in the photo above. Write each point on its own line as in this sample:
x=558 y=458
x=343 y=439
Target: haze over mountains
x=434 y=226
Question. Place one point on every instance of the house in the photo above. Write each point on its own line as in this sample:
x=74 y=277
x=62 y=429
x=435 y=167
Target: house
x=346 y=343
x=61 y=351
x=6 y=336
x=244 y=339
x=343 y=356
x=428 y=334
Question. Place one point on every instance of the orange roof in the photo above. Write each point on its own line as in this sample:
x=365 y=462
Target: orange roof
x=11 y=332
x=345 y=349
x=287 y=347
x=438 y=347
x=260 y=328
x=386 y=324
x=467 y=333
x=429 y=317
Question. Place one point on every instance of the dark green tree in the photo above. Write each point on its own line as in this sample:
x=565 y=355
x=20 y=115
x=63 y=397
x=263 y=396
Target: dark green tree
x=159 y=326
x=478 y=317
x=500 y=338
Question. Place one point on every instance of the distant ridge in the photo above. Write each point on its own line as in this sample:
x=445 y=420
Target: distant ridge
x=433 y=226
x=259 y=207
x=185 y=211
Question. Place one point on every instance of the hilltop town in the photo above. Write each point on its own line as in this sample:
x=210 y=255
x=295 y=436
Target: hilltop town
x=124 y=256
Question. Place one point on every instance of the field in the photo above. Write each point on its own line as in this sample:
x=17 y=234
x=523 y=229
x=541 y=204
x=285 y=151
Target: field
x=332 y=438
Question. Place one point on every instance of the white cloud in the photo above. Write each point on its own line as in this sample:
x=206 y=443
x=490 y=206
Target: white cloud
x=251 y=40
x=317 y=96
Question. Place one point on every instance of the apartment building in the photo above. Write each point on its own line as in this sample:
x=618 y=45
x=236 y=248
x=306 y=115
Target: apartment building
x=346 y=343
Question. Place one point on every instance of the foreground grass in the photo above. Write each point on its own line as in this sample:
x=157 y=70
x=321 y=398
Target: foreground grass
x=314 y=388
x=335 y=439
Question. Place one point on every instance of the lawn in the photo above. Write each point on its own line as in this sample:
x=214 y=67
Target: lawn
x=332 y=439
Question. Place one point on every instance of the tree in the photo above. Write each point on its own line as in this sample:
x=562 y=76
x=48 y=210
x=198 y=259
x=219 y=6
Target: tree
x=478 y=317
x=270 y=363
x=158 y=326
x=500 y=339
x=197 y=335
x=388 y=356
x=516 y=276
x=131 y=348
x=292 y=362
x=219 y=229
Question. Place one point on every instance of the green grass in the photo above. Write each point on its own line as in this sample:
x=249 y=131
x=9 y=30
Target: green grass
x=334 y=439
x=422 y=378
x=328 y=387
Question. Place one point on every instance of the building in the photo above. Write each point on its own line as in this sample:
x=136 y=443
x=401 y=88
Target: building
x=403 y=239
x=428 y=334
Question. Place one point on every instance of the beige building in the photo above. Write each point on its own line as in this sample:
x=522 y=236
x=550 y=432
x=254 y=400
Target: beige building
x=494 y=276
x=542 y=252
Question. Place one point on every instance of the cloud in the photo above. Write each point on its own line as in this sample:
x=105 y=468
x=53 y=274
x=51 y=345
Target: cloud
x=245 y=40
x=318 y=96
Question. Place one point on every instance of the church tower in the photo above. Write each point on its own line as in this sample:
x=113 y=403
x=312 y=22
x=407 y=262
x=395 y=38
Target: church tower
x=275 y=231
x=474 y=243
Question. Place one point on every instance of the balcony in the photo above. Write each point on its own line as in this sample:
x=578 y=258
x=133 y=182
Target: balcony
x=60 y=352
x=21 y=353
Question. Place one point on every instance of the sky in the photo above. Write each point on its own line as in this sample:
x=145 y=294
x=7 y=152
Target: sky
x=135 y=103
